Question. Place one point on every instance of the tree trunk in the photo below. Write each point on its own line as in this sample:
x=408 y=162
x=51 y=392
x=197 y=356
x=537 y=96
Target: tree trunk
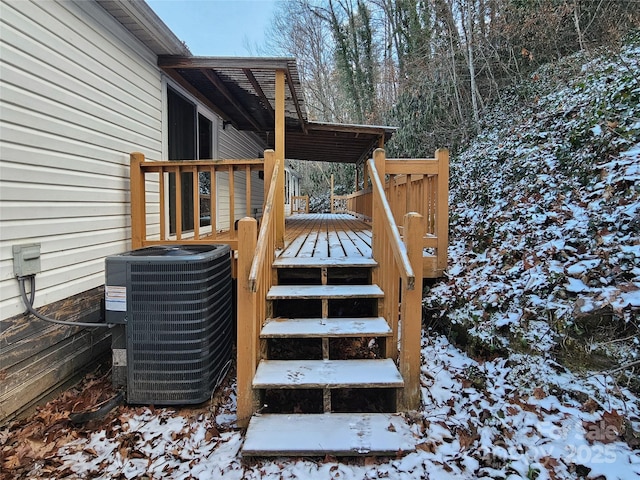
x=472 y=70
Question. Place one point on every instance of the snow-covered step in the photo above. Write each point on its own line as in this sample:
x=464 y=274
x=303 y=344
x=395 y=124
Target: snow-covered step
x=279 y=292
x=325 y=327
x=378 y=373
x=345 y=434
x=318 y=262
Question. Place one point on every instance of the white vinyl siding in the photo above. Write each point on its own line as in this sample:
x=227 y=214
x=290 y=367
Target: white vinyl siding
x=79 y=93
x=234 y=144
x=240 y=195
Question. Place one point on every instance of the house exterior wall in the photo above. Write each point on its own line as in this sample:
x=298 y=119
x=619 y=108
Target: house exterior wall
x=235 y=144
x=79 y=93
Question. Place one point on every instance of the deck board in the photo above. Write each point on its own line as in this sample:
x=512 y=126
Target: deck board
x=318 y=292
x=378 y=373
x=317 y=262
x=325 y=327
x=326 y=236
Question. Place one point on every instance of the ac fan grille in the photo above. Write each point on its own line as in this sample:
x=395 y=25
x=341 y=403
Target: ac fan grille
x=179 y=333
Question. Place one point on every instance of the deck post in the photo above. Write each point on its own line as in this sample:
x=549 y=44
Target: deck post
x=138 y=207
x=442 y=215
x=331 y=198
x=247 y=317
x=280 y=155
x=380 y=251
x=411 y=317
x=377 y=225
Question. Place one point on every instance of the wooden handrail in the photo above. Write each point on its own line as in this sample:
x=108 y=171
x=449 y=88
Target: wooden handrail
x=397 y=246
x=157 y=166
x=261 y=246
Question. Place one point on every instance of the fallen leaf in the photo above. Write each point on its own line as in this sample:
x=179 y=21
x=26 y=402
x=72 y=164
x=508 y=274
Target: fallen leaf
x=427 y=447
x=550 y=464
x=539 y=393
x=212 y=432
x=124 y=453
x=590 y=406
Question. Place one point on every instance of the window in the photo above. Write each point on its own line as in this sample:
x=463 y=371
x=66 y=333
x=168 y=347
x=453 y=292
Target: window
x=205 y=138
x=189 y=137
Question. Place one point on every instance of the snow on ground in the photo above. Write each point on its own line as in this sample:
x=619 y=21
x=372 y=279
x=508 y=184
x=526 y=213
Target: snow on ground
x=521 y=417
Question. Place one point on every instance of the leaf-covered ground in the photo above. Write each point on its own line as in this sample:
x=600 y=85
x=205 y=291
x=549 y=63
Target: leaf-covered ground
x=530 y=349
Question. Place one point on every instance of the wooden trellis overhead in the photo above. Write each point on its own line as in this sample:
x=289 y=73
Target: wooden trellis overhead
x=242 y=92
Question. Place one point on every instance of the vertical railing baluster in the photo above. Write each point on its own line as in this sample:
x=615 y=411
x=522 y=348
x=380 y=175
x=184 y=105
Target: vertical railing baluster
x=195 y=182
x=178 y=188
x=163 y=208
x=232 y=203
x=213 y=201
x=247 y=173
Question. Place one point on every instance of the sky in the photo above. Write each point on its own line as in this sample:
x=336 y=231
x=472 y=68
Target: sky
x=218 y=27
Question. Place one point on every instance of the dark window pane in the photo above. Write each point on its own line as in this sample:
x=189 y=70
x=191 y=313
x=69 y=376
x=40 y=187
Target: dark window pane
x=182 y=146
x=205 y=138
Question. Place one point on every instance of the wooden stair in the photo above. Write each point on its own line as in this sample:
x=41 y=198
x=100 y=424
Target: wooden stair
x=350 y=403
x=343 y=434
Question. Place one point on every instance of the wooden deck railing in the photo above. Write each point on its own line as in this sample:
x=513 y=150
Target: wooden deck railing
x=399 y=276
x=418 y=185
x=152 y=224
x=299 y=204
x=255 y=261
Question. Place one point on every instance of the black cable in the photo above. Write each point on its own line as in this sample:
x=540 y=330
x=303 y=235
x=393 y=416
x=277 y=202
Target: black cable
x=29 y=304
x=32 y=292
x=100 y=413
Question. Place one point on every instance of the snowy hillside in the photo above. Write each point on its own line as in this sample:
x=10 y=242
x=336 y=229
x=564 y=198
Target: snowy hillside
x=530 y=349
x=545 y=215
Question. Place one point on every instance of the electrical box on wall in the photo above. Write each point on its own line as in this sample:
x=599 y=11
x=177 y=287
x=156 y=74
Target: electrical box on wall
x=26 y=259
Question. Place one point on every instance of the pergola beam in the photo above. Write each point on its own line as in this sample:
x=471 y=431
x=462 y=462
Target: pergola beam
x=254 y=83
x=225 y=62
x=213 y=78
x=292 y=89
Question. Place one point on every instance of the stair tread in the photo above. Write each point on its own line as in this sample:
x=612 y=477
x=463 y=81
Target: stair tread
x=323 y=291
x=342 y=434
x=366 y=373
x=332 y=262
x=325 y=327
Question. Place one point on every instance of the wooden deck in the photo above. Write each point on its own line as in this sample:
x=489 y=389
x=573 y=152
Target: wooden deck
x=326 y=238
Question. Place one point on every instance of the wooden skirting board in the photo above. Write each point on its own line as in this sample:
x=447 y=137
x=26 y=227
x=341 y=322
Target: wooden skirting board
x=38 y=357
